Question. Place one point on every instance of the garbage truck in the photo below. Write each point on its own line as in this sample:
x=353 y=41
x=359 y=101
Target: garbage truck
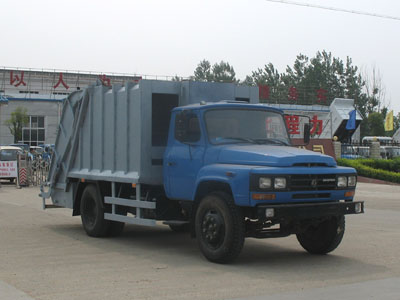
x=205 y=158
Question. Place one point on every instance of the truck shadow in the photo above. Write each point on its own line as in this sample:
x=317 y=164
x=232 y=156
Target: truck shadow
x=258 y=258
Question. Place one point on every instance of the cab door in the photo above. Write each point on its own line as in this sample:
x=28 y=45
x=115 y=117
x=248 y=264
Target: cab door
x=185 y=157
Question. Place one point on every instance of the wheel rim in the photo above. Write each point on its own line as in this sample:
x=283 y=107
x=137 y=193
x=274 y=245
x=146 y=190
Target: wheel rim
x=213 y=229
x=89 y=211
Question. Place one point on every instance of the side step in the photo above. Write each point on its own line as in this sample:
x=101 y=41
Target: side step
x=130 y=220
x=138 y=204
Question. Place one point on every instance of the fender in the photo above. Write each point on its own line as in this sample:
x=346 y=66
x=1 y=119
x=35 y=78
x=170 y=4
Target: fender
x=236 y=176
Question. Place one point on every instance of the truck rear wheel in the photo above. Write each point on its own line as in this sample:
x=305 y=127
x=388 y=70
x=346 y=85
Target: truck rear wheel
x=323 y=238
x=92 y=213
x=219 y=228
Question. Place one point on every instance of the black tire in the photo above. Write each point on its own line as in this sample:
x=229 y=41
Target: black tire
x=219 y=228
x=92 y=213
x=323 y=238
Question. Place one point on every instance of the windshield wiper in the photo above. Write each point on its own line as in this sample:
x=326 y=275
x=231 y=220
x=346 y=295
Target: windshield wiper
x=271 y=141
x=261 y=141
x=238 y=139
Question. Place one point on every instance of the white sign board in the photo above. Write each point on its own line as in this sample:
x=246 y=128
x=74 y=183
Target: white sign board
x=8 y=169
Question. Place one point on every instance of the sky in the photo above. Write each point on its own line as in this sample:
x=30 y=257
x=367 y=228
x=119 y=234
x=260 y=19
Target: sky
x=158 y=37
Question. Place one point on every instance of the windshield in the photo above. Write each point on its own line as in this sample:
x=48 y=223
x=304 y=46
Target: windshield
x=8 y=155
x=245 y=126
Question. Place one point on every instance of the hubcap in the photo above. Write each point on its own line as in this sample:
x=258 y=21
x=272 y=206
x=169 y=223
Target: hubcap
x=90 y=211
x=213 y=230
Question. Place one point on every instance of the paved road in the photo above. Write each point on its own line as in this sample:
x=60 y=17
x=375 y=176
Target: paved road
x=47 y=255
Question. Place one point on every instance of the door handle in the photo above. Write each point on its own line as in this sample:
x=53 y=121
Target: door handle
x=171 y=163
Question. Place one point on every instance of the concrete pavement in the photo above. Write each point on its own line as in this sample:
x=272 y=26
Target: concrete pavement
x=47 y=255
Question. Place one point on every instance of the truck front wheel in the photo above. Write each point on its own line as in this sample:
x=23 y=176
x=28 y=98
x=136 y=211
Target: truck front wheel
x=219 y=228
x=92 y=213
x=324 y=237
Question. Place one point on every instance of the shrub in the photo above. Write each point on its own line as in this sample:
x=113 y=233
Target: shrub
x=387 y=170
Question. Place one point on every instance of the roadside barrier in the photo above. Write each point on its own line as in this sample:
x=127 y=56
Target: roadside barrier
x=31 y=172
x=22 y=179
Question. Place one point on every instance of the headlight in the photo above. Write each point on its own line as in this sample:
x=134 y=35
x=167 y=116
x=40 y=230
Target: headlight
x=264 y=183
x=280 y=183
x=352 y=180
x=342 y=181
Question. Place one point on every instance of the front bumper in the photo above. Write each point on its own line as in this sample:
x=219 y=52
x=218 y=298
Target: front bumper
x=308 y=210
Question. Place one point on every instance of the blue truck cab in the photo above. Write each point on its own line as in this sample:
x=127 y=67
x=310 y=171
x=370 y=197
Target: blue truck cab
x=232 y=166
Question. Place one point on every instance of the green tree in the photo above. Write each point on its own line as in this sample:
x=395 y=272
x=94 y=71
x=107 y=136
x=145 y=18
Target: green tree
x=223 y=72
x=373 y=125
x=374 y=93
x=271 y=77
x=396 y=122
x=219 y=72
x=203 y=71
x=18 y=119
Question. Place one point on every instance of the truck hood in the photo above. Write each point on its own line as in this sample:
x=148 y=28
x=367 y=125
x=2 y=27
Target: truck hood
x=273 y=156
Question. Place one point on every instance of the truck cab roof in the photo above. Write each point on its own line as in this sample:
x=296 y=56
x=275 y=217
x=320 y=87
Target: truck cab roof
x=203 y=105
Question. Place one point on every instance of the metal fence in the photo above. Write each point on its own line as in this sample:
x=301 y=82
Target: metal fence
x=32 y=172
x=353 y=151
x=39 y=169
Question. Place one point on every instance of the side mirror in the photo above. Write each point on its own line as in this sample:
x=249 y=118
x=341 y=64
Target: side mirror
x=306 y=133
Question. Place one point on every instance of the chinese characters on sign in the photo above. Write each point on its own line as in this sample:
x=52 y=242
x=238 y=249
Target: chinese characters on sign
x=293 y=123
x=17 y=80
x=293 y=94
x=57 y=82
x=321 y=95
x=61 y=81
x=8 y=169
x=316 y=125
x=324 y=146
x=263 y=91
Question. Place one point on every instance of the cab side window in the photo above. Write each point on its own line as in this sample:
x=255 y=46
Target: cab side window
x=187 y=127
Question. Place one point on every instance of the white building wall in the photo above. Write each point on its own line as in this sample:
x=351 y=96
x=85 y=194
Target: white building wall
x=49 y=109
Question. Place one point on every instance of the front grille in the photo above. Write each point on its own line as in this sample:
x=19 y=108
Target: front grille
x=311 y=196
x=310 y=165
x=312 y=182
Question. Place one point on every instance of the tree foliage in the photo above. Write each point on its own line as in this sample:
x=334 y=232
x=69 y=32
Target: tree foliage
x=203 y=71
x=18 y=119
x=324 y=72
x=396 y=122
x=219 y=72
x=373 y=125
